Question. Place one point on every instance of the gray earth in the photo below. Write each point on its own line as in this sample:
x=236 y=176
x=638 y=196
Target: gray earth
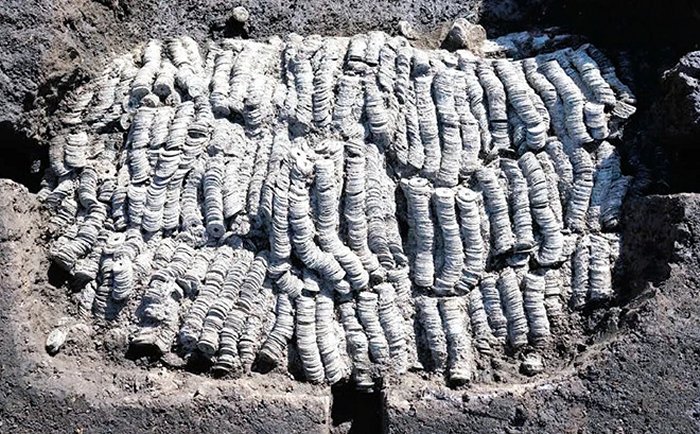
x=637 y=369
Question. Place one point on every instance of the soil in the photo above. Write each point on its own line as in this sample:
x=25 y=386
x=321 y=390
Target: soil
x=635 y=370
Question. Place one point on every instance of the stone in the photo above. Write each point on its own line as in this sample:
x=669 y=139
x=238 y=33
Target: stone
x=55 y=340
x=464 y=34
x=532 y=365
x=241 y=14
x=406 y=30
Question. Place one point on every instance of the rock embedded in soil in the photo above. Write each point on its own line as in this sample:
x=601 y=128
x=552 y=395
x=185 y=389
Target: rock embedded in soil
x=464 y=35
x=56 y=339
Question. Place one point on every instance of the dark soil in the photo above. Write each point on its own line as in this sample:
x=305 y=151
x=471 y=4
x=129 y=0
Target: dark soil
x=637 y=371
